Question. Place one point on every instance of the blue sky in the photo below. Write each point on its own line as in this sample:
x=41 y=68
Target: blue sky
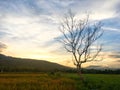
x=29 y=28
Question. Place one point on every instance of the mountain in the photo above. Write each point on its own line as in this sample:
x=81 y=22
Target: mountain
x=96 y=67
x=12 y=64
x=101 y=67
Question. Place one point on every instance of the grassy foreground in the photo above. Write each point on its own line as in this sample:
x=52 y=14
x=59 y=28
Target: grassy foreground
x=58 y=81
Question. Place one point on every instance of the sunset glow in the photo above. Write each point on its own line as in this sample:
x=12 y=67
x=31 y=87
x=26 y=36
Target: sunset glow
x=29 y=28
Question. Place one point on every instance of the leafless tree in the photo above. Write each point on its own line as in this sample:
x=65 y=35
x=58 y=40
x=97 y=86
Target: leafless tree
x=79 y=38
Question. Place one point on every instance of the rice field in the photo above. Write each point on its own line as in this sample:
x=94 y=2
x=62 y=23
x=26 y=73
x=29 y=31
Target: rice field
x=58 y=81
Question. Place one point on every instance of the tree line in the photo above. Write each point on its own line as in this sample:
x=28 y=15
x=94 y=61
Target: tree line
x=70 y=70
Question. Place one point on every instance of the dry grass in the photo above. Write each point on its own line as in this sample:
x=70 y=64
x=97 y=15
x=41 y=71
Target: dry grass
x=35 y=82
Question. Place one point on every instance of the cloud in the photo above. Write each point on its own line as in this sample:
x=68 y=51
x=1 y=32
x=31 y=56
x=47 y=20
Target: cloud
x=31 y=36
x=112 y=22
x=111 y=36
x=115 y=55
x=20 y=7
x=2 y=47
x=48 y=7
x=117 y=8
x=118 y=60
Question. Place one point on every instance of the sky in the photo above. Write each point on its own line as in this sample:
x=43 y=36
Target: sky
x=29 y=27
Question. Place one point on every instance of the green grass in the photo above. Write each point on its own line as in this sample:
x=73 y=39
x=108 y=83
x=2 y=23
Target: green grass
x=58 y=81
x=97 y=82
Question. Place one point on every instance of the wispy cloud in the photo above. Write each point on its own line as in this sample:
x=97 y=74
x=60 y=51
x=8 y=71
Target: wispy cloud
x=115 y=55
x=118 y=60
x=2 y=46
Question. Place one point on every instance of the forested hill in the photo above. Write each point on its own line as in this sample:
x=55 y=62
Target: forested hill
x=11 y=64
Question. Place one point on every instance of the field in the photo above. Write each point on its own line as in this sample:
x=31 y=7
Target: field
x=58 y=81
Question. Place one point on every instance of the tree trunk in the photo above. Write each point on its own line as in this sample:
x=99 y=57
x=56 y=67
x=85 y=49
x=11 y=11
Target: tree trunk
x=79 y=69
